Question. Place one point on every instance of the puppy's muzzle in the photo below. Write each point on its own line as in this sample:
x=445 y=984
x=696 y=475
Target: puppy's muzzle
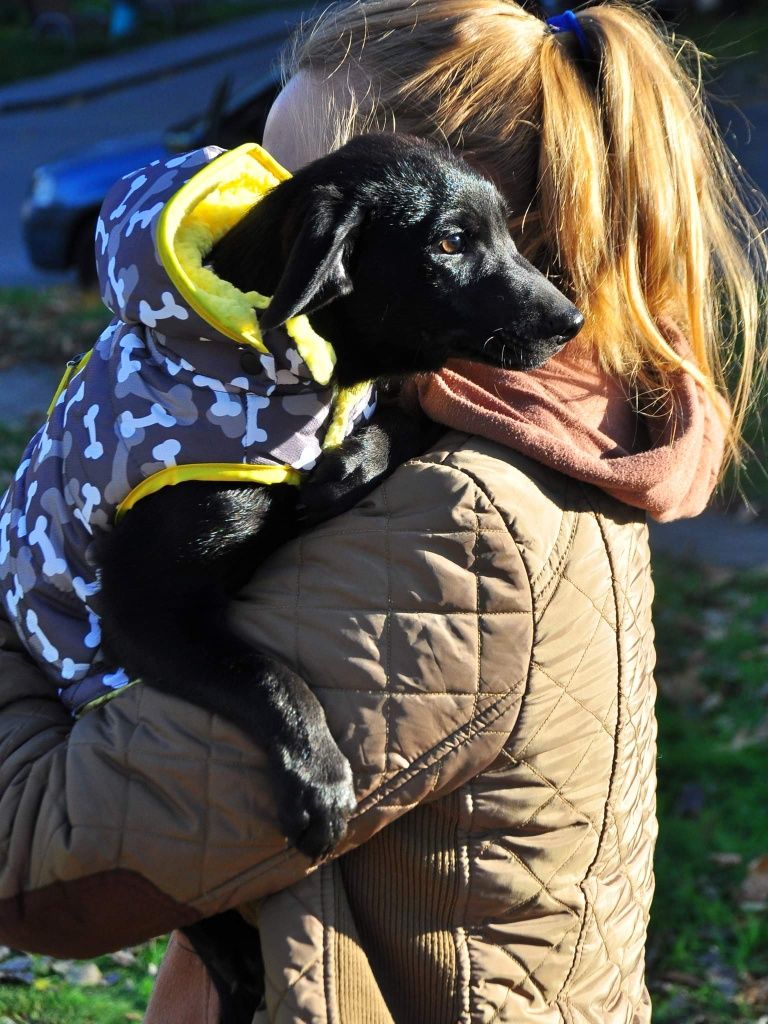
x=541 y=337
x=562 y=325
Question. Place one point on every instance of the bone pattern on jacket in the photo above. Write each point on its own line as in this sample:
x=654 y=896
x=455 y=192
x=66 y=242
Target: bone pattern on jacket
x=146 y=401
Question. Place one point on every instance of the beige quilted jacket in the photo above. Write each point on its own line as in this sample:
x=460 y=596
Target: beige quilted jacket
x=479 y=631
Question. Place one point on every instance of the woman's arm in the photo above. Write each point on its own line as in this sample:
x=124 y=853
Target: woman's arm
x=410 y=616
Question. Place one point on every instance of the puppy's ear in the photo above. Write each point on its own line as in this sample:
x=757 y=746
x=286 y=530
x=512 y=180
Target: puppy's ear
x=315 y=273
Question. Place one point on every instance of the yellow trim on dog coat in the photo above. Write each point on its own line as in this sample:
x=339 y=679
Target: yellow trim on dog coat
x=201 y=213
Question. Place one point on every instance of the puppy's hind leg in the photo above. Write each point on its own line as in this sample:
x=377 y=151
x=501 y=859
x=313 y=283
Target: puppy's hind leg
x=169 y=569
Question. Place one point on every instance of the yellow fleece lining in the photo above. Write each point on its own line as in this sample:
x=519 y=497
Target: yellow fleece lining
x=343 y=405
x=213 y=472
x=201 y=213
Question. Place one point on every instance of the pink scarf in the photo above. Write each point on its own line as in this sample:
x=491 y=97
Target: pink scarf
x=573 y=417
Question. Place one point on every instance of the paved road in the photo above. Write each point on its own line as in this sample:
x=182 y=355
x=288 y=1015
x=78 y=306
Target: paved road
x=713 y=539
x=52 y=131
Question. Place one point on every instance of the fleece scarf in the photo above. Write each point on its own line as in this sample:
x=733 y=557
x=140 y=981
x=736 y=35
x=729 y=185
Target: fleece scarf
x=575 y=418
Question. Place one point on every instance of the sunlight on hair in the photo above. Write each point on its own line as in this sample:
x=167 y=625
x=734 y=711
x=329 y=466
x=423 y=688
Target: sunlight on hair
x=621 y=186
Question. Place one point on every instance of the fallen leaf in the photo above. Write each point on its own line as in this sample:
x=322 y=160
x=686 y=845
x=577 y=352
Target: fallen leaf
x=756 y=993
x=683 y=687
x=724 y=981
x=123 y=958
x=711 y=702
x=753 y=894
x=62 y=966
x=717 y=575
x=726 y=860
x=84 y=975
x=717 y=622
x=678 y=1006
x=750 y=737
x=682 y=978
x=719 y=973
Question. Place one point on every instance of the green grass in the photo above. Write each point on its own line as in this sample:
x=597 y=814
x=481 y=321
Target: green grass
x=23 y=55
x=52 y=1000
x=49 y=325
x=706 y=947
x=12 y=443
x=67 y=1005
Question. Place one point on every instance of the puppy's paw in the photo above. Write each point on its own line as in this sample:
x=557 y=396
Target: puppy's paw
x=341 y=479
x=336 y=464
x=317 y=797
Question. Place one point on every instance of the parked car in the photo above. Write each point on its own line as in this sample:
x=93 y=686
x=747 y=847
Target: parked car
x=60 y=211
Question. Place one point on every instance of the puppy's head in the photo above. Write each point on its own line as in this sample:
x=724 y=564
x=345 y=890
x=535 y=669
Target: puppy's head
x=403 y=257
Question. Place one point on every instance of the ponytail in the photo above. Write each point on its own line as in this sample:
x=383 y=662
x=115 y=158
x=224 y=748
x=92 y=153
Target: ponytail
x=643 y=210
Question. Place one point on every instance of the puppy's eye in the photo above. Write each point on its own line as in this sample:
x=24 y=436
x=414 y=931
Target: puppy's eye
x=453 y=244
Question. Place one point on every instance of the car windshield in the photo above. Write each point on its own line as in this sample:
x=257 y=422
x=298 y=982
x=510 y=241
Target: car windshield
x=229 y=120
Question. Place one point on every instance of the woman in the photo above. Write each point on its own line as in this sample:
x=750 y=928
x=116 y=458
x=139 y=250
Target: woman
x=479 y=628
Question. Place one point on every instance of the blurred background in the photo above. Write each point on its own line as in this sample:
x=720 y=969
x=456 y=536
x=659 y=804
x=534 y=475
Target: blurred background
x=92 y=89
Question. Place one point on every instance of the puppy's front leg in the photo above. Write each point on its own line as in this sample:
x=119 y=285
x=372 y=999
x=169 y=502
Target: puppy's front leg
x=169 y=569
x=346 y=474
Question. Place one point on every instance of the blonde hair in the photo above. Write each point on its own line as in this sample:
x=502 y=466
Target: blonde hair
x=624 y=191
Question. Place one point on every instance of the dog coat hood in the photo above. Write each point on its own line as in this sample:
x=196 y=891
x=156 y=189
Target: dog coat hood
x=180 y=386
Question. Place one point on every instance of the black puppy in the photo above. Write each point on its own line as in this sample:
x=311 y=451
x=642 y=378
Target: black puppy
x=403 y=258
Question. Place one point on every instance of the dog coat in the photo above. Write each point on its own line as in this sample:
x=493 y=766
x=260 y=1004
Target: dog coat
x=180 y=386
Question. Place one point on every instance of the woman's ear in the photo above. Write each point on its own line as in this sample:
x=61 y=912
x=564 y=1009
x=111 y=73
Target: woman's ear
x=315 y=272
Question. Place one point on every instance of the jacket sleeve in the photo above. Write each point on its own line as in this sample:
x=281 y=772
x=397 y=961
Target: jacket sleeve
x=411 y=618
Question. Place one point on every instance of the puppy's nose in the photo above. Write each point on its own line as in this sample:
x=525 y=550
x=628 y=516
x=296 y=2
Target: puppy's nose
x=568 y=324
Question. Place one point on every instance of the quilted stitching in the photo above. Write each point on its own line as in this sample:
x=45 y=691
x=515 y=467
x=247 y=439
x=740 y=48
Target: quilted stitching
x=295 y=956
x=552 y=920
x=591 y=903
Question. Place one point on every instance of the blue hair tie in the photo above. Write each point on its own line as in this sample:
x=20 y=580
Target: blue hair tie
x=568 y=22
